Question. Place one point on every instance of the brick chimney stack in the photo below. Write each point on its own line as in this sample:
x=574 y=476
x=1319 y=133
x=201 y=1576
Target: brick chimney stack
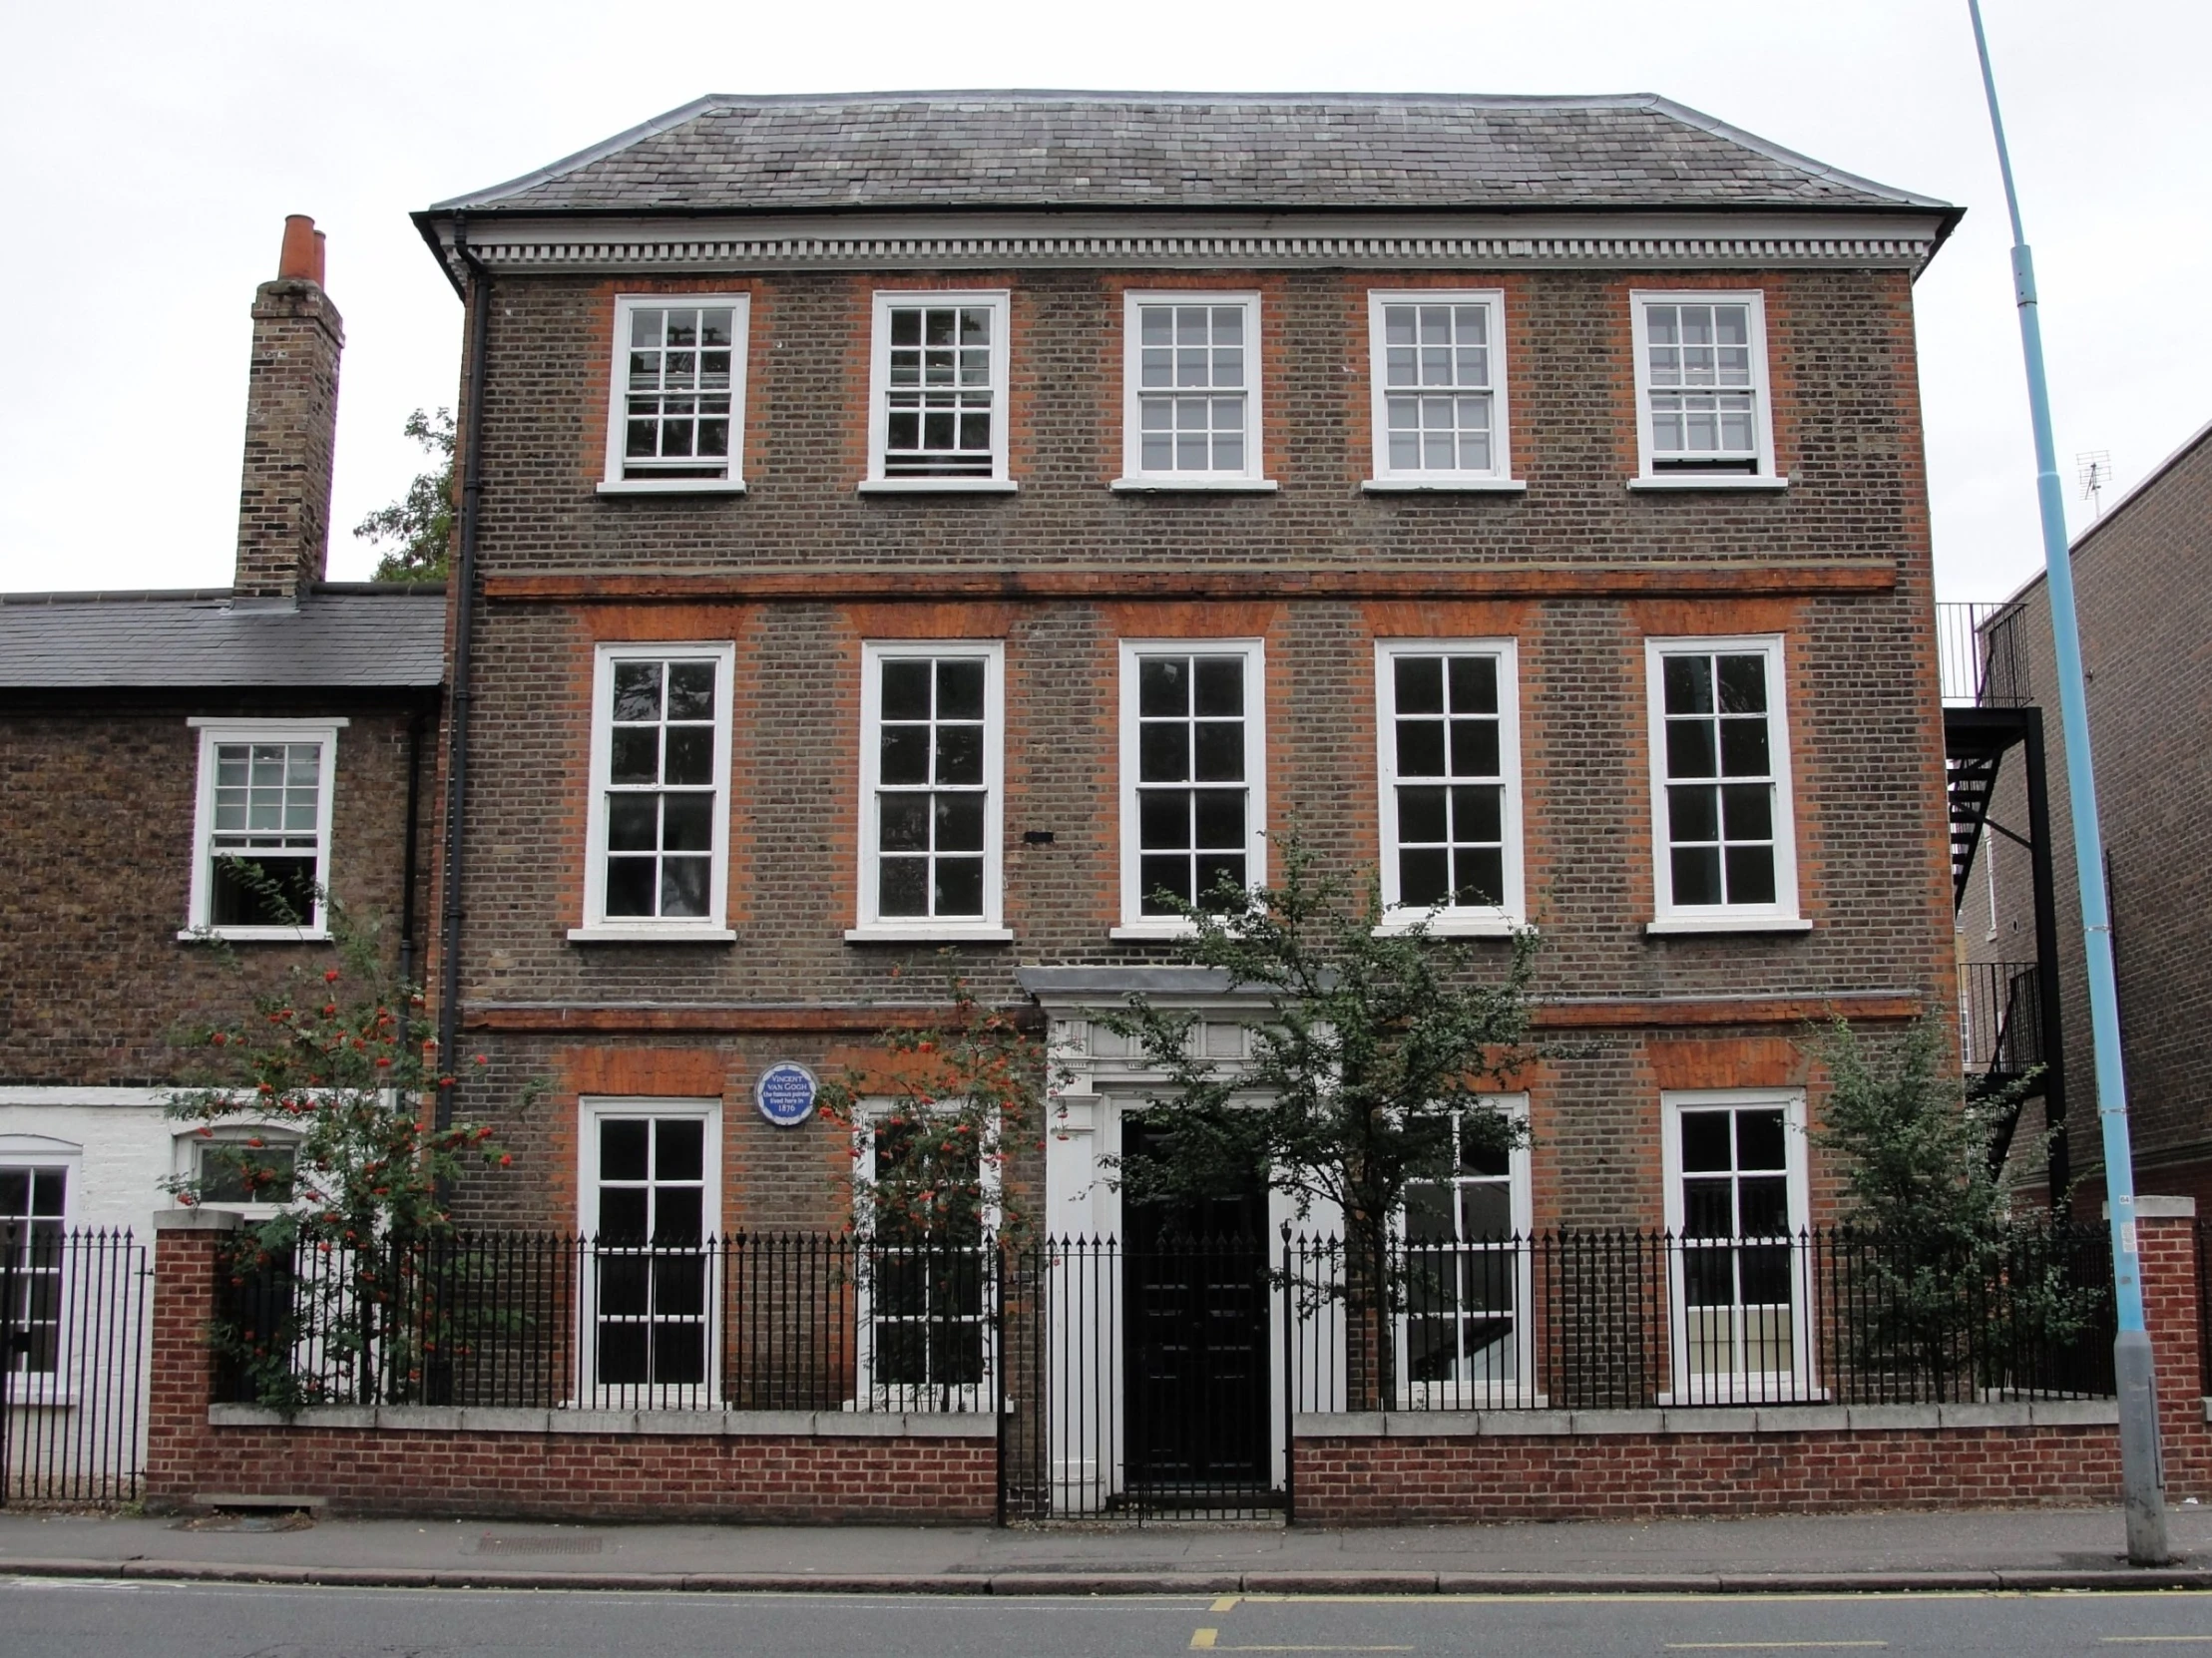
x=291 y=423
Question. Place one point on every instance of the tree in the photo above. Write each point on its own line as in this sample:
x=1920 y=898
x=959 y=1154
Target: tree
x=420 y=522
x=955 y=1096
x=1939 y=1258
x=1365 y=1046
x=320 y=1100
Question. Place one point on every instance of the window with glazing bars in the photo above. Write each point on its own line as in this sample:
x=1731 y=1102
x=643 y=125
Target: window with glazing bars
x=680 y=377
x=32 y=1216
x=1463 y=1263
x=1736 y=1247
x=1702 y=380
x=265 y=848
x=1437 y=392
x=1193 y=368
x=1448 y=788
x=941 y=385
x=932 y=787
x=1721 y=817
x=925 y=1289
x=661 y=788
x=650 y=1303
x=1193 y=793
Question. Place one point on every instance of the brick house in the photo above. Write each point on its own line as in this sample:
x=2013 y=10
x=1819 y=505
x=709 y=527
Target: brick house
x=148 y=742
x=2137 y=571
x=942 y=520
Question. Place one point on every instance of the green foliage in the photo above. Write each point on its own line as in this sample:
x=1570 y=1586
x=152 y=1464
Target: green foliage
x=1363 y=1046
x=1943 y=1263
x=420 y=524
x=944 y=1112
x=336 y=1068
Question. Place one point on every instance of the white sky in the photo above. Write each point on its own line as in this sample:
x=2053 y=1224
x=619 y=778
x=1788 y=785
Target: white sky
x=152 y=148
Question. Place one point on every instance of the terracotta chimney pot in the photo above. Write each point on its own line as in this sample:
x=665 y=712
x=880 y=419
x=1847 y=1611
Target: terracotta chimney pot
x=301 y=259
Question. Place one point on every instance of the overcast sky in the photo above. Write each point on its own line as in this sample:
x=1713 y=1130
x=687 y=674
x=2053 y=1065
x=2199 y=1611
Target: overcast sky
x=152 y=148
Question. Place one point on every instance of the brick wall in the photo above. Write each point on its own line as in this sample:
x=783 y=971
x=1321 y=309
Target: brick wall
x=2137 y=578
x=737 y=1476
x=802 y=569
x=1407 y=1475
x=97 y=792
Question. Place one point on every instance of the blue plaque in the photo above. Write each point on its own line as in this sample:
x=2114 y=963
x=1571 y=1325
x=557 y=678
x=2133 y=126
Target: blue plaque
x=786 y=1093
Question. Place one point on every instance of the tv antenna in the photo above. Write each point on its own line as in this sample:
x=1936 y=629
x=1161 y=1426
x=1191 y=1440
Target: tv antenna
x=2094 y=467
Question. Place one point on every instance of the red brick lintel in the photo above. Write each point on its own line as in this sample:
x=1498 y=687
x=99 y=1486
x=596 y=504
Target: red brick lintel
x=1685 y=579
x=1593 y=1015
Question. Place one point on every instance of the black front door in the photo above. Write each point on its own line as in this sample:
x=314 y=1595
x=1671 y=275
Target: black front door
x=1195 y=1290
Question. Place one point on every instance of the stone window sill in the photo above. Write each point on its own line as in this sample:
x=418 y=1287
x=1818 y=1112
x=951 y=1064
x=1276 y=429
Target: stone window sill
x=929 y=935
x=1719 y=926
x=671 y=486
x=605 y=933
x=938 y=486
x=1194 y=485
x=1708 y=480
x=253 y=935
x=1445 y=486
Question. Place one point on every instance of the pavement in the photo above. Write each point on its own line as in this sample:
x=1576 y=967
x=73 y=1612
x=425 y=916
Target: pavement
x=2020 y=1549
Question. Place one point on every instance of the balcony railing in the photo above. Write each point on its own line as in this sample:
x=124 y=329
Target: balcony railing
x=2000 y=1018
x=1979 y=656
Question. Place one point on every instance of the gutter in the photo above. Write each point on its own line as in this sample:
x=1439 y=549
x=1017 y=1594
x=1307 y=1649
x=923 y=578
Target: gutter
x=479 y=298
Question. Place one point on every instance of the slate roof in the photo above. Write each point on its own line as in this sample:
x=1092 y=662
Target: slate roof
x=340 y=636
x=1188 y=151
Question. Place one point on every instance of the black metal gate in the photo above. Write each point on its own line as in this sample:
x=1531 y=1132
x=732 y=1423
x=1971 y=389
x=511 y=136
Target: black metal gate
x=73 y=1340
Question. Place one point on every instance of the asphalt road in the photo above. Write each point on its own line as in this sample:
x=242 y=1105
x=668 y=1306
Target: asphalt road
x=112 y=1620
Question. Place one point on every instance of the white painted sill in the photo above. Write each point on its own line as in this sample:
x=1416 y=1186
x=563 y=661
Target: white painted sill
x=607 y=934
x=929 y=935
x=1689 y=926
x=1445 y=486
x=1197 y=483
x=671 y=486
x=1708 y=480
x=1138 y=931
x=1453 y=927
x=253 y=935
x=936 y=486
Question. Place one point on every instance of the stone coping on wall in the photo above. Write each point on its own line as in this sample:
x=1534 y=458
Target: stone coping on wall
x=466 y=1418
x=1733 y=1421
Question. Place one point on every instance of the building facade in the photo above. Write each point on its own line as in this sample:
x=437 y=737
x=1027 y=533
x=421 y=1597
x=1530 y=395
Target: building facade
x=944 y=521
x=151 y=744
x=2137 y=572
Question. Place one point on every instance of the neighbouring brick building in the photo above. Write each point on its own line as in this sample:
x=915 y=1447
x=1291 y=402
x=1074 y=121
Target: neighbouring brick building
x=150 y=742
x=2139 y=572
x=943 y=520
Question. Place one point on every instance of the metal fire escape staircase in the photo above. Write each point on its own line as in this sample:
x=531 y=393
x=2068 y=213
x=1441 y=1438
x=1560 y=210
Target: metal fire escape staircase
x=2009 y=1009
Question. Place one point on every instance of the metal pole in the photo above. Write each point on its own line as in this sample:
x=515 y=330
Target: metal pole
x=2142 y=1482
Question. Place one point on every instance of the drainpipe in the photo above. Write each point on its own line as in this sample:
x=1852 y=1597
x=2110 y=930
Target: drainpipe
x=464 y=633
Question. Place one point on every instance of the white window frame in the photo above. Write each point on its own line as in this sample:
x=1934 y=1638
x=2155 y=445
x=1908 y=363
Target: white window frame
x=1771 y=1387
x=912 y=1397
x=186 y=1159
x=1782 y=914
x=1135 y=923
x=869 y=925
x=1253 y=477
x=214 y=732
x=590 y=1112
x=57 y=1386
x=1649 y=475
x=1000 y=303
x=597 y=926
x=1498 y=476
x=1449 y=920
x=1521 y=1387
x=733 y=481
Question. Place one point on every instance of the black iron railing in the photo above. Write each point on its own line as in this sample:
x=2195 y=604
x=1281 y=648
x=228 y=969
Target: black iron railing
x=1979 y=656
x=767 y=1322
x=74 y=1311
x=1598 y=1320
x=2000 y=1018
